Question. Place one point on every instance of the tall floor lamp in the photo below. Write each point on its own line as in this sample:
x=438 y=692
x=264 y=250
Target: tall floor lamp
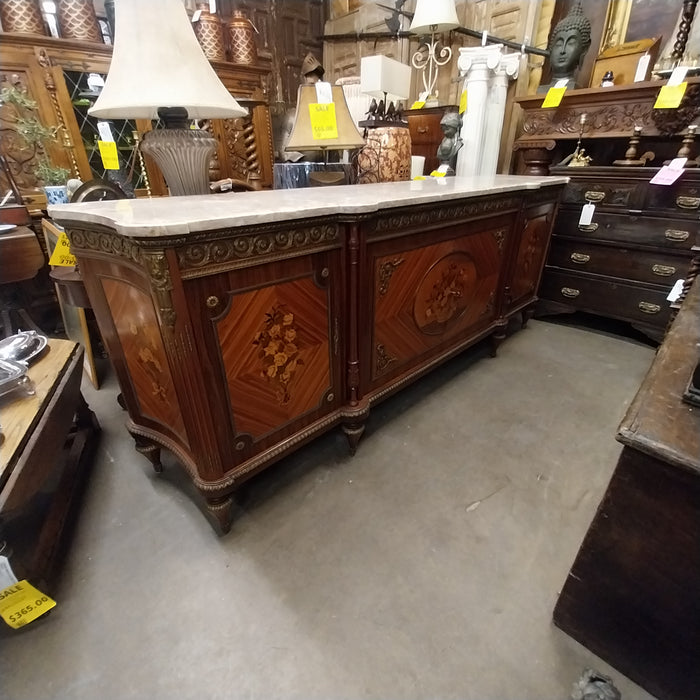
x=159 y=71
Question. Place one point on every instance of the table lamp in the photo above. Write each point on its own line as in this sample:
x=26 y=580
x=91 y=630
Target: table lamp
x=431 y=17
x=321 y=124
x=387 y=155
x=158 y=71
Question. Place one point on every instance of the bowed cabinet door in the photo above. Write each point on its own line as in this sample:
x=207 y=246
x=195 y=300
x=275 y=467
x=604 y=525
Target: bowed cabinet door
x=269 y=338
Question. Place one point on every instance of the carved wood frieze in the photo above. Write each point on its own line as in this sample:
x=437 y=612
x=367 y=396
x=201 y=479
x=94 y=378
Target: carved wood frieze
x=411 y=219
x=384 y=359
x=195 y=258
x=672 y=121
x=159 y=274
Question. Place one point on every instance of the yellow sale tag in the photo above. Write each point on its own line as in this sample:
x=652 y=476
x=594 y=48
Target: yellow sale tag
x=437 y=173
x=554 y=97
x=463 y=102
x=418 y=104
x=323 y=122
x=61 y=256
x=670 y=96
x=21 y=603
x=108 y=151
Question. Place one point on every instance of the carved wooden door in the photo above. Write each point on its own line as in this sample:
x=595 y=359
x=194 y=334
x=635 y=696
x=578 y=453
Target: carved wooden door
x=270 y=335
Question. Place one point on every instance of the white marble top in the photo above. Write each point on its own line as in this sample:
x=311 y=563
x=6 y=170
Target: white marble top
x=169 y=216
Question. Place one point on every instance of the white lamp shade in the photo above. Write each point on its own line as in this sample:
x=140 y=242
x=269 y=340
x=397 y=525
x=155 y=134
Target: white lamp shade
x=380 y=75
x=157 y=62
x=434 y=16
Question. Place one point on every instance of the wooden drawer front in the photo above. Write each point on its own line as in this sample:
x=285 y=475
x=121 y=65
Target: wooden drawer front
x=640 y=266
x=682 y=198
x=425 y=129
x=671 y=234
x=614 y=194
x=599 y=295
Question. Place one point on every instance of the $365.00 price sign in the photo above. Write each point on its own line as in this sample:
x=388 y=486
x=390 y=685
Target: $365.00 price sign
x=21 y=603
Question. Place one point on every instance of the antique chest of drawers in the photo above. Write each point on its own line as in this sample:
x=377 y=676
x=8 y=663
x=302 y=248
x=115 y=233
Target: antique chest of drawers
x=625 y=261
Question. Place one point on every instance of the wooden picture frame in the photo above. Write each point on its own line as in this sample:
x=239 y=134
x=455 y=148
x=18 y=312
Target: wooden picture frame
x=623 y=59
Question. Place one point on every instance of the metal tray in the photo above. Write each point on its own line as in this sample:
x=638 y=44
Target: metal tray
x=13 y=376
x=24 y=346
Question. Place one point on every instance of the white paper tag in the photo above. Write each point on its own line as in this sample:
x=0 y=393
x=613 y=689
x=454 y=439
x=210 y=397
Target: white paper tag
x=7 y=576
x=678 y=75
x=324 y=93
x=563 y=82
x=586 y=214
x=196 y=15
x=666 y=176
x=212 y=6
x=95 y=80
x=423 y=96
x=675 y=291
x=677 y=163
x=443 y=168
x=642 y=65
x=484 y=37
x=105 y=131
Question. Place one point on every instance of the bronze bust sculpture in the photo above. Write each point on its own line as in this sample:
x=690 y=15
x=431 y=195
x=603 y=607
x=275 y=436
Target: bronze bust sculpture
x=568 y=44
x=451 y=142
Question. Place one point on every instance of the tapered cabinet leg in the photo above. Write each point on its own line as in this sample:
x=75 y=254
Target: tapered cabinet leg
x=150 y=450
x=353 y=432
x=497 y=337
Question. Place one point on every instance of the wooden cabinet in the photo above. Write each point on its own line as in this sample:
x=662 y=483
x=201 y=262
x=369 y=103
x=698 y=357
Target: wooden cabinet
x=631 y=596
x=624 y=263
x=54 y=73
x=426 y=134
x=239 y=336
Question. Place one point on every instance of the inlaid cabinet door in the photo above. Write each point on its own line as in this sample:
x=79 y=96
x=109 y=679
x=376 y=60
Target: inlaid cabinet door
x=530 y=256
x=270 y=334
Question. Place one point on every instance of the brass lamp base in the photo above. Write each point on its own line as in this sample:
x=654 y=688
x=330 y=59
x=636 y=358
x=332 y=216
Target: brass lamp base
x=183 y=157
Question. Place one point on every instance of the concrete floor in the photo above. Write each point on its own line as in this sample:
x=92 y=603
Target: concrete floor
x=427 y=566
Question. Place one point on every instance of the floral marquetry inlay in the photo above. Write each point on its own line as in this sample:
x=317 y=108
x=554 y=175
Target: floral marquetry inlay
x=278 y=351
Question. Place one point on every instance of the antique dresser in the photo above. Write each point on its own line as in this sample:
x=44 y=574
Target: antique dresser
x=241 y=325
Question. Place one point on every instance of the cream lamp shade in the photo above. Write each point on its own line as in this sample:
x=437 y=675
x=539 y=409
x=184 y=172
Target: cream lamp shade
x=305 y=138
x=157 y=62
x=385 y=78
x=433 y=16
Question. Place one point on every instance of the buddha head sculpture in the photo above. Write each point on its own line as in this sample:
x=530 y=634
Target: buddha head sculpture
x=569 y=43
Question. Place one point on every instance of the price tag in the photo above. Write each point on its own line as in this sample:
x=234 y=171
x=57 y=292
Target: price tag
x=323 y=121
x=196 y=16
x=418 y=104
x=553 y=97
x=666 y=175
x=677 y=163
x=95 y=80
x=61 y=256
x=21 y=604
x=642 y=66
x=108 y=152
x=324 y=93
x=677 y=76
x=675 y=291
x=105 y=131
x=670 y=96
x=586 y=214
x=212 y=6
x=463 y=102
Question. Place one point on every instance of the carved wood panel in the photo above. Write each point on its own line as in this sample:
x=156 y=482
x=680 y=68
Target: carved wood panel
x=425 y=296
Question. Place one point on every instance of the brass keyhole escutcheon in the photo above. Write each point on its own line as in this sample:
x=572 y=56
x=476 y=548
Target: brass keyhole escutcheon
x=212 y=301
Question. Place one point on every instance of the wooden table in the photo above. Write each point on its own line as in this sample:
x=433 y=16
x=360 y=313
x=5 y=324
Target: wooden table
x=632 y=595
x=46 y=449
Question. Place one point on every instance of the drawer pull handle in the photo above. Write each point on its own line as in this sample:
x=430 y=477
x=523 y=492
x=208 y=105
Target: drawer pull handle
x=648 y=308
x=594 y=196
x=580 y=258
x=663 y=270
x=588 y=227
x=422 y=129
x=674 y=235
x=569 y=292
x=688 y=202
